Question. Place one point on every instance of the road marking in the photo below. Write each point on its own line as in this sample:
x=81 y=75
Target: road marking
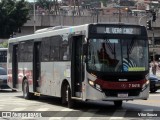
x=42 y=109
x=118 y=113
x=154 y=95
x=87 y=113
x=18 y=109
x=61 y=113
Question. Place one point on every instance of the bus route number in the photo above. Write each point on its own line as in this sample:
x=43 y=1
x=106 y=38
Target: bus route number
x=134 y=85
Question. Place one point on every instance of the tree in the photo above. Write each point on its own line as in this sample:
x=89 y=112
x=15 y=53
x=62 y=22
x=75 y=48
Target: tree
x=13 y=15
x=45 y=4
x=4 y=44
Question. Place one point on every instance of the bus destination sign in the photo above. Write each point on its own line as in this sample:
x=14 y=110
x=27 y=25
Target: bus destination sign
x=118 y=30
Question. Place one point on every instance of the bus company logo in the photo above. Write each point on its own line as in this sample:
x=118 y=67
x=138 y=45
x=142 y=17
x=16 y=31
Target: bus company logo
x=20 y=114
x=123 y=86
x=6 y=114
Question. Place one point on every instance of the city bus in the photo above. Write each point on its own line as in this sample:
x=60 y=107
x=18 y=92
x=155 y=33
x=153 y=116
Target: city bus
x=90 y=62
x=3 y=57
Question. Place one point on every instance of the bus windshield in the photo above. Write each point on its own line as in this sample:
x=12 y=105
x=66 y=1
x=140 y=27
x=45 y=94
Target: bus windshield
x=117 y=55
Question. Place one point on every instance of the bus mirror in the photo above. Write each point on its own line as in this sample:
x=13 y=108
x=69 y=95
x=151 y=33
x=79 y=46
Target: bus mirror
x=85 y=49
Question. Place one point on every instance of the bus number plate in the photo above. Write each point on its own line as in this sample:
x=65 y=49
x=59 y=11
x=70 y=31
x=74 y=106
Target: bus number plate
x=123 y=95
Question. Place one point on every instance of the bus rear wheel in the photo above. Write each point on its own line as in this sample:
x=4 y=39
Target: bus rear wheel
x=118 y=103
x=26 y=93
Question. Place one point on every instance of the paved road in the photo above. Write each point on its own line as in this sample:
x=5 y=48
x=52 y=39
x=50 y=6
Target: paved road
x=50 y=108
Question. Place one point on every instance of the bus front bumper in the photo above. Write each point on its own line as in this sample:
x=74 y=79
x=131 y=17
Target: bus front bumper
x=94 y=94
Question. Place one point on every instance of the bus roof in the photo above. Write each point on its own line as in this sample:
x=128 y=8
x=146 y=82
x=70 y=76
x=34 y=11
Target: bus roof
x=49 y=33
x=65 y=30
x=50 y=29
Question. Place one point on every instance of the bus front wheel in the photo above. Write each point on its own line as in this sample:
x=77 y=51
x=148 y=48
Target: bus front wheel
x=70 y=100
x=118 y=103
x=66 y=96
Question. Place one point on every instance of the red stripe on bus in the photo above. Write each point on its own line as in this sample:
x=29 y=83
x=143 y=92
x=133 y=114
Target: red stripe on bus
x=120 y=85
x=21 y=74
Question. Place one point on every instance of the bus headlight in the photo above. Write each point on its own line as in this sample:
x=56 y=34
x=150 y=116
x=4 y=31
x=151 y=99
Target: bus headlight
x=145 y=85
x=93 y=84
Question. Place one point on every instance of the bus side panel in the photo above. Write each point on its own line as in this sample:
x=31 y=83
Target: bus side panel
x=46 y=80
x=52 y=75
x=20 y=75
x=28 y=73
x=62 y=71
x=25 y=70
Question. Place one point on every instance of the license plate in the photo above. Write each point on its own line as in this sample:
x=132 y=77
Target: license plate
x=123 y=95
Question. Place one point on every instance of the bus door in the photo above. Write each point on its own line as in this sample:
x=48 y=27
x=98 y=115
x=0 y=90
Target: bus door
x=15 y=65
x=36 y=66
x=77 y=65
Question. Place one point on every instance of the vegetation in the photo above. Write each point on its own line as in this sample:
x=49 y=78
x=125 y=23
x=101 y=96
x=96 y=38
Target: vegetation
x=4 y=44
x=13 y=15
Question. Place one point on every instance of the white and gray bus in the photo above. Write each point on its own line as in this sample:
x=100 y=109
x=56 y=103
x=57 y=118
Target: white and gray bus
x=99 y=61
x=3 y=57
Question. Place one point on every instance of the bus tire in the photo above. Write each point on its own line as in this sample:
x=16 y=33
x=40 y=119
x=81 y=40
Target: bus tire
x=26 y=93
x=70 y=100
x=64 y=95
x=153 y=90
x=118 y=103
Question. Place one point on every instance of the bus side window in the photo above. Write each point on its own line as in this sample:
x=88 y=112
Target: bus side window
x=21 y=53
x=65 y=50
x=55 y=48
x=45 y=49
x=29 y=50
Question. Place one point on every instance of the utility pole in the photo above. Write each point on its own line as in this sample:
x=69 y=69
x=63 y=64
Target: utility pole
x=79 y=12
x=153 y=40
x=97 y=12
x=119 y=10
x=153 y=44
x=34 y=10
x=74 y=9
x=119 y=14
